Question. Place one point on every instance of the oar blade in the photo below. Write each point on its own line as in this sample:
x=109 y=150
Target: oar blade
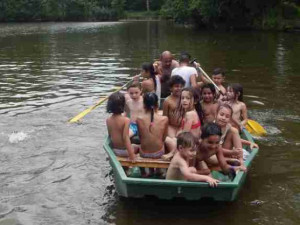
x=255 y=128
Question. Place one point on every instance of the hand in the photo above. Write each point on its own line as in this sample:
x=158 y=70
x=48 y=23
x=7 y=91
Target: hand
x=212 y=182
x=132 y=159
x=168 y=157
x=241 y=168
x=253 y=145
x=197 y=64
x=237 y=152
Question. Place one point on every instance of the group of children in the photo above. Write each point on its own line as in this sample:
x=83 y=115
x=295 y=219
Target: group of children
x=198 y=127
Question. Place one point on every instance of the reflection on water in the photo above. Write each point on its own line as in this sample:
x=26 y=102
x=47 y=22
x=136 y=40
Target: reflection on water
x=52 y=172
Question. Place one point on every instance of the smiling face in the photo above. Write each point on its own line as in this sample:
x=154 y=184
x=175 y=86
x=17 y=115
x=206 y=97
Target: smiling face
x=176 y=89
x=187 y=100
x=134 y=93
x=187 y=152
x=211 y=143
x=218 y=79
x=207 y=95
x=224 y=116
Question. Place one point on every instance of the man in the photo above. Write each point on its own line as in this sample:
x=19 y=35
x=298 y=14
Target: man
x=164 y=68
x=189 y=74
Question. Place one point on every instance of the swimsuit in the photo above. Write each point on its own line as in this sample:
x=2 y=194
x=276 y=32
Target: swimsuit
x=153 y=155
x=121 y=152
x=134 y=128
x=194 y=126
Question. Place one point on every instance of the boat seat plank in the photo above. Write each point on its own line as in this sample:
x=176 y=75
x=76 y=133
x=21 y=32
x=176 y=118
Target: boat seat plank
x=144 y=162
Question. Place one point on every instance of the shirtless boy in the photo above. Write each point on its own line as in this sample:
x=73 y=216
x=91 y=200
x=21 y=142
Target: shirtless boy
x=179 y=167
x=152 y=128
x=209 y=103
x=218 y=78
x=170 y=104
x=118 y=126
x=209 y=146
x=134 y=107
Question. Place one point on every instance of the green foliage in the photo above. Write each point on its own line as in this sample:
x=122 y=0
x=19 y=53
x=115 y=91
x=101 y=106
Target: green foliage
x=60 y=10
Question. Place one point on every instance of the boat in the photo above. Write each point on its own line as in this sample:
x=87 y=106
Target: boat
x=138 y=187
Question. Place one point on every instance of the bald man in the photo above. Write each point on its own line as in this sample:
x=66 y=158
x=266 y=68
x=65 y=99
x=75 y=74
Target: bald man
x=164 y=68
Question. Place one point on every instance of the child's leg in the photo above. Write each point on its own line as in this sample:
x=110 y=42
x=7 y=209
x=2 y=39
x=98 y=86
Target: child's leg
x=172 y=131
x=171 y=146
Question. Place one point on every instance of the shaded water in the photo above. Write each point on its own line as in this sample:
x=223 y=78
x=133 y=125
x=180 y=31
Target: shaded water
x=52 y=172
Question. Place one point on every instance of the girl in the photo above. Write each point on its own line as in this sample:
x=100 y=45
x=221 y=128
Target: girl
x=235 y=100
x=209 y=103
x=152 y=128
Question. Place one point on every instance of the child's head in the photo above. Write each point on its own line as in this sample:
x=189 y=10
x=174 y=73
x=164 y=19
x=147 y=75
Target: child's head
x=208 y=92
x=218 y=76
x=150 y=101
x=134 y=91
x=116 y=103
x=185 y=57
x=224 y=114
x=149 y=72
x=176 y=84
x=185 y=145
x=187 y=99
x=211 y=135
x=235 y=92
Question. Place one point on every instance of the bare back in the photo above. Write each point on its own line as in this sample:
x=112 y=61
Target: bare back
x=152 y=137
x=116 y=126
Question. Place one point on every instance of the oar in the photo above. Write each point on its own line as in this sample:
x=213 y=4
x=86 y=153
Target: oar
x=88 y=110
x=207 y=77
x=255 y=128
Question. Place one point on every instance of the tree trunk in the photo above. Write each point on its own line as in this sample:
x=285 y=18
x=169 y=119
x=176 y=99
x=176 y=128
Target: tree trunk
x=148 y=5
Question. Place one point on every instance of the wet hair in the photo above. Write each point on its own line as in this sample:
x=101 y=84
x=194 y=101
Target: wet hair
x=225 y=105
x=184 y=57
x=210 y=129
x=218 y=71
x=150 y=103
x=116 y=103
x=194 y=93
x=176 y=79
x=134 y=85
x=185 y=139
x=237 y=90
x=211 y=87
x=148 y=67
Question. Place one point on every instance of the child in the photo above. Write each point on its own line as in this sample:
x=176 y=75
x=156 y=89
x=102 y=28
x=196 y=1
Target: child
x=170 y=104
x=152 y=128
x=235 y=100
x=134 y=107
x=118 y=127
x=209 y=146
x=218 y=78
x=179 y=167
x=209 y=105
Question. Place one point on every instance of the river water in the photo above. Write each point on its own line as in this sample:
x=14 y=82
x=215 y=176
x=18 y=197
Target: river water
x=53 y=172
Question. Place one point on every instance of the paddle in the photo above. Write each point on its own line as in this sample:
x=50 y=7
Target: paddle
x=252 y=126
x=88 y=110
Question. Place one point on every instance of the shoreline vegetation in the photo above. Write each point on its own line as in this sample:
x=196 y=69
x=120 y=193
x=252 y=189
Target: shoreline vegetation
x=202 y=14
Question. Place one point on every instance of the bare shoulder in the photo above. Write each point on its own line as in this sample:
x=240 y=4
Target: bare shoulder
x=175 y=63
x=191 y=114
x=234 y=130
x=243 y=105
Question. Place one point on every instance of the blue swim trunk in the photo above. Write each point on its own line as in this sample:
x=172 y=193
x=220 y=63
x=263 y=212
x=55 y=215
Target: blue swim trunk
x=134 y=128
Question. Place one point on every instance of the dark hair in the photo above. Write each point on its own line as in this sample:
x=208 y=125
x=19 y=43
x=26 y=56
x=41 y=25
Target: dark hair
x=150 y=103
x=148 y=67
x=210 y=129
x=115 y=103
x=225 y=105
x=134 y=85
x=219 y=71
x=176 y=79
x=184 y=57
x=238 y=90
x=185 y=139
x=211 y=87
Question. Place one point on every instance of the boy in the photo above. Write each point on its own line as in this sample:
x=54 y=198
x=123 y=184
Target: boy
x=170 y=104
x=179 y=167
x=134 y=107
x=118 y=126
x=218 y=77
x=210 y=146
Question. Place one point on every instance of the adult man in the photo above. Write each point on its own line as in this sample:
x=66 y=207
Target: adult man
x=164 y=68
x=189 y=74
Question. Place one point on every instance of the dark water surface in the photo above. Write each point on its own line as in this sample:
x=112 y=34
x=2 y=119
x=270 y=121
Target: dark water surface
x=52 y=172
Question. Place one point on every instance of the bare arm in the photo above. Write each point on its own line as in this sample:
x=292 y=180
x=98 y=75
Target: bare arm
x=165 y=108
x=146 y=86
x=166 y=129
x=127 y=142
x=244 y=114
x=193 y=81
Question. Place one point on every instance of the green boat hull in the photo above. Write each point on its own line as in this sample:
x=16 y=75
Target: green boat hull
x=167 y=189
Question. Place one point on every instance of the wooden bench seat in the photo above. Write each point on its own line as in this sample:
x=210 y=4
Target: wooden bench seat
x=144 y=162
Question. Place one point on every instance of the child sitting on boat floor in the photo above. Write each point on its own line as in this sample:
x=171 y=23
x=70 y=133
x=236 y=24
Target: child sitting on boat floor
x=118 y=127
x=179 y=167
x=134 y=107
